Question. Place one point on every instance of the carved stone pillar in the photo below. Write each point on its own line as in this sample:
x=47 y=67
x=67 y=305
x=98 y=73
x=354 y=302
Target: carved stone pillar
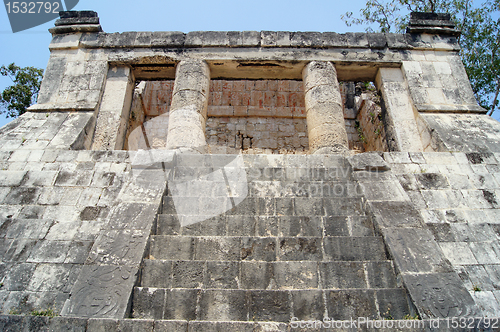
x=114 y=112
x=401 y=128
x=188 y=112
x=325 y=117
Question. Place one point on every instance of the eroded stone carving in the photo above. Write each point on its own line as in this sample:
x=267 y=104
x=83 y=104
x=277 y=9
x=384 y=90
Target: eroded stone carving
x=101 y=291
x=440 y=295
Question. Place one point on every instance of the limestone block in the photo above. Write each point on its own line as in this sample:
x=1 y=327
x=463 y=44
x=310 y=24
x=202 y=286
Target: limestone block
x=274 y=38
x=368 y=162
x=305 y=39
x=194 y=39
x=66 y=41
x=92 y=40
x=214 y=38
x=50 y=277
x=48 y=251
x=67 y=324
x=384 y=191
x=333 y=39
x=250 y=38
x=377 y=40
x=396 y=41
x=166 y=38
x=11 y=178
x=117 y=39
x=133 y=216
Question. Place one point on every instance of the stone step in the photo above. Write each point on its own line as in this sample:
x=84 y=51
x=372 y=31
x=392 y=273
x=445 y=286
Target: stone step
x=263 y=206
x=217 y=174
x=265 y=188
x=250 y=225
x=268 y=305
x=262 y=161
x=267 y=275
x=236 y=248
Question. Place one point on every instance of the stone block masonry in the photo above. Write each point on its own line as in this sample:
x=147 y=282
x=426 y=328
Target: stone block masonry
x=176 y=237
x=67 y=219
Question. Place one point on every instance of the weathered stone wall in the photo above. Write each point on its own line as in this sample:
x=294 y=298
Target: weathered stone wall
x=458 y=196
x=257 y=135
x=69 y=219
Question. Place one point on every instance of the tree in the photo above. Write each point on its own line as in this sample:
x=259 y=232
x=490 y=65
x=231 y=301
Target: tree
x=479 y=41
x=16 y=98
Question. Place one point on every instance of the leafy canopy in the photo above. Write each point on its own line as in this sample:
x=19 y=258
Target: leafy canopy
x=15 y=99
x=480 y=39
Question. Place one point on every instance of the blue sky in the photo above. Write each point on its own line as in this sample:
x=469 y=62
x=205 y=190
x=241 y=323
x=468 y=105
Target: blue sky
x=30 y=47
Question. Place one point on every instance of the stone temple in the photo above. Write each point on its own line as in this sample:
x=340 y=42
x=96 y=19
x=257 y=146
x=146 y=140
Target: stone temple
x=251 y=181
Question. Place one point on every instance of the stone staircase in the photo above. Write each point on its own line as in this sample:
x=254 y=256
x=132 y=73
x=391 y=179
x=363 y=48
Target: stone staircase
x=299 y=245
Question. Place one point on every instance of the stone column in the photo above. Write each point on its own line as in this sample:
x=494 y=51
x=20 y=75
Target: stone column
x=188 y=112
x=325 y=117
x=114 y=111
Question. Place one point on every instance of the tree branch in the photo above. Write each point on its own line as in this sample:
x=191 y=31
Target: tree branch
x=495 y=98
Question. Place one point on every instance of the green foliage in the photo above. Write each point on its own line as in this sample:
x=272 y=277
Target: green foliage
x=479 y=21
x=15 y=99
x=47 y=313
x=480 y=52
x=14 y=311
x=476 y=288
x=359 y=130
x=410 y=317
x=390 y=15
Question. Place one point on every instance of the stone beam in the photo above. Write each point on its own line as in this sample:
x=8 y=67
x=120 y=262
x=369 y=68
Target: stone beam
x=325 y=117
x=114 y=112
x=188 y=112
x=400 y=123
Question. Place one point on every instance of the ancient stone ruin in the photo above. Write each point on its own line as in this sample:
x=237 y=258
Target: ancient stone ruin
x=250 y=181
